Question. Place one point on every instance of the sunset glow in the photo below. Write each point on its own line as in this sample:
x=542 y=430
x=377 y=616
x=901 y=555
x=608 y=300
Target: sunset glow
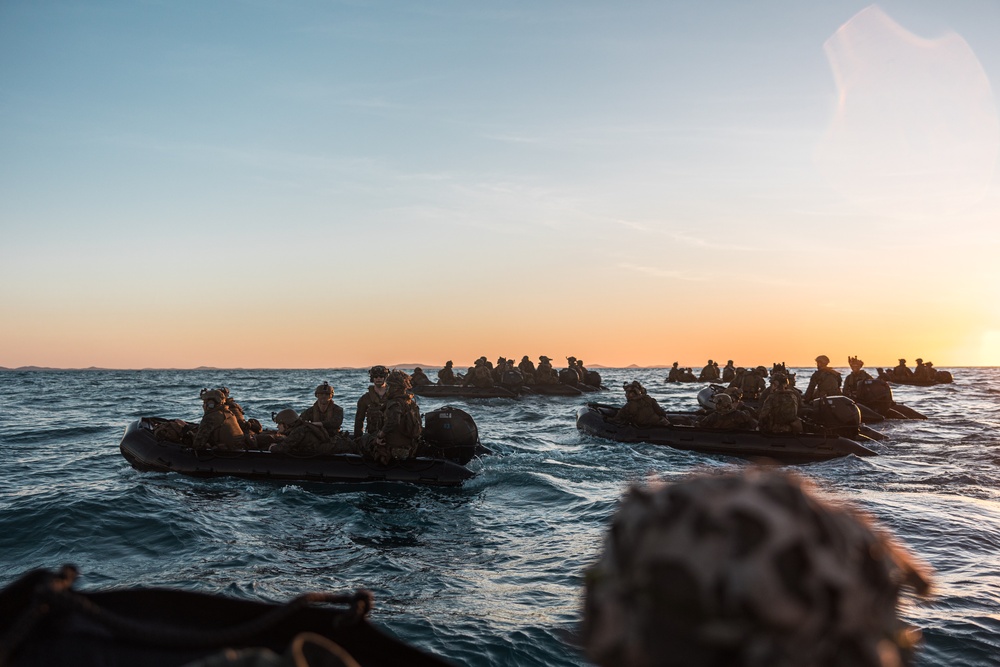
x=305 y=186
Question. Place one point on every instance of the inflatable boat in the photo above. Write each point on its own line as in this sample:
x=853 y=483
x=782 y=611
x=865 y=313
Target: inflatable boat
x=450 y=441
x=461 y=391
x=594 y=419
x=45 y=623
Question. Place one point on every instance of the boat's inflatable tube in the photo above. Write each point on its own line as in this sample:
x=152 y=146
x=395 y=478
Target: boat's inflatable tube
x=552 y=390
x=461 y=391
x=786 y=447
x=141 y=449
x=45 y=623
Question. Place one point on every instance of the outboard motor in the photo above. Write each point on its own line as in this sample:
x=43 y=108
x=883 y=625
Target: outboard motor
x=568 y=376
x=450 y=433
x=593 y=378
x=876 y=394
x=944 y=377
x=838 y=414
x=512 y=379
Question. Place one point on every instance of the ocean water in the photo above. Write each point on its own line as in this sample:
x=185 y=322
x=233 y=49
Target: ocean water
x=487 y=574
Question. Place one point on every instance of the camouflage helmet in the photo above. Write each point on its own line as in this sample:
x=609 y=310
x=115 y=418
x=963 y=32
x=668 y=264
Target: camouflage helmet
x=779 y=379
x=748 y=569
x=734 y=392
x=378 y=371
x=723 y=402
x=634 y=386
x=398 y=379
x=854 y=361
x=920 y=361
x=823 y=359
x=544 y=358
x=214 y=395
x=525 y=358
x=286 y=417
x=449 y=363
x=324 y=389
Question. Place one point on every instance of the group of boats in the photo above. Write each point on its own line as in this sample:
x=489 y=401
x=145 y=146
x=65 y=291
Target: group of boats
x=839 y=427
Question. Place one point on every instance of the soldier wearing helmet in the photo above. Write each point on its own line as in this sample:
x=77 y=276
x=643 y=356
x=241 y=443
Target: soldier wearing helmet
x=854 y=379
x=299 y=437
x=324 y=412
x=546 y=373
x=447 y=374
x=480 y=375
x=368 y=418
x=710 y=372
x=419 y=378
x=640 y=408
x=725 y=416
x=780 y=411
x=527 y=368
x=752 y=382
x=219 y=427
x=824 y=382
x=902 y=372
x=922 y=372
x=729 y=372
x=398 y=436
x=675 y=374
x=751 y=569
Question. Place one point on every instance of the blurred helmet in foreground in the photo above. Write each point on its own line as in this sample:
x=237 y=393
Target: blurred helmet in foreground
x=750 y=570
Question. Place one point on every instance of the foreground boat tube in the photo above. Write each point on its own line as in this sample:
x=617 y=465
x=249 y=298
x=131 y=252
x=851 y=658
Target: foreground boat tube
x=44 y=622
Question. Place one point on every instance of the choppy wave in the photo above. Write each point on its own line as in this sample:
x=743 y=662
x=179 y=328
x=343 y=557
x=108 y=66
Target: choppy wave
x=489 y=574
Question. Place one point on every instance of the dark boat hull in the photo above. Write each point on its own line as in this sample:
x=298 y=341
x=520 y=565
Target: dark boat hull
x=147 y=454
x=785 y=448
x=460 y=391
x=160 y=627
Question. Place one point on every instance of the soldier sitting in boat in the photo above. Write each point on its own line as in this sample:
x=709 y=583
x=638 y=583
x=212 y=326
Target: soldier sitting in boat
x=527 y=368
x=571 y=366
x=220 y=428
x=546 y=373
x=418 y=378
x=752 y=383
x=480 y=375
x=640 y=408
x=729 y=372
x=824 y=382
x=581 y=370
x=725 y=416
x=324 y=412
x=399 y=435
x=902 y=372
x=923 y=372
x=368 y=418
x=780 y=411
x=710 y=373
x=854 y=379
x=299 y=437
x=447 y=374
x=674 y=374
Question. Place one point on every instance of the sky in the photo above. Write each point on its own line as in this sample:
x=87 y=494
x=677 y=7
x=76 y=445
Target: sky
x=316 y=184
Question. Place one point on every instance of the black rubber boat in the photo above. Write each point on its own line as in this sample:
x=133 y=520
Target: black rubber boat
x=593 y=418
x=45 y=623
x=147 y=454
x=460 y=391
x=559 y=389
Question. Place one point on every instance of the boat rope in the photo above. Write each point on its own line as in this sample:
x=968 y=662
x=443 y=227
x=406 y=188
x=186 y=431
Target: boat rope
x=55 y=594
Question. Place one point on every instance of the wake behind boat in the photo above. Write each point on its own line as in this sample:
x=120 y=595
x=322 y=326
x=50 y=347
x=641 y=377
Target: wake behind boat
x=595 y=419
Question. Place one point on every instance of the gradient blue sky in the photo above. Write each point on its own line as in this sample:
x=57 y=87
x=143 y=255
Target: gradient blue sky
x=313 y=184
